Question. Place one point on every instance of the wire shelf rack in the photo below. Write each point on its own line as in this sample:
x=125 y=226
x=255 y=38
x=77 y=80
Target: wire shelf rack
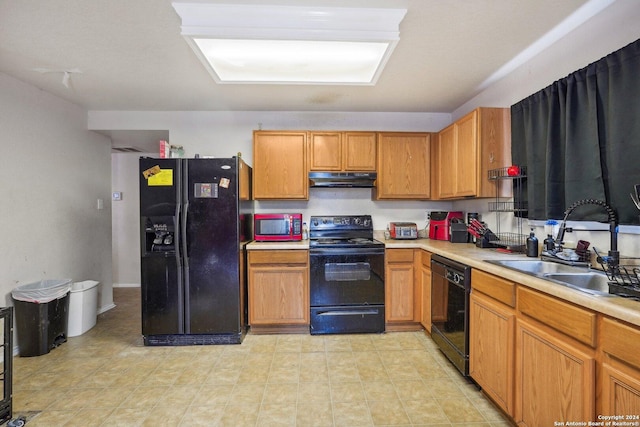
x=624 y=278
x=507 y=206
x=513 y=241
x=516 y=241
x=626 y=273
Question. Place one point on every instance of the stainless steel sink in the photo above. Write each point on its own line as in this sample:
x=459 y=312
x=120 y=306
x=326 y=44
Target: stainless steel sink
x=576 y=277
x=593 y=282
x=538 y=267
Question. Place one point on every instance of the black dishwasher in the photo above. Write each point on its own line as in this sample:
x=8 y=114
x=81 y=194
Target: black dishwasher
x=450 y=289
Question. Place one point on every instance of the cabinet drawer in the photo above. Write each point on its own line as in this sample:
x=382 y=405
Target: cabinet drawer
x=279 y=257
x=495 y=287
x=426 y=259
x=569 y=319
x=621 y=341
x=399 y=255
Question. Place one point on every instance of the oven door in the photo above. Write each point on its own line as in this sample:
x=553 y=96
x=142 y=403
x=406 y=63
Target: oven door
x=347 y=291
x=346 y=276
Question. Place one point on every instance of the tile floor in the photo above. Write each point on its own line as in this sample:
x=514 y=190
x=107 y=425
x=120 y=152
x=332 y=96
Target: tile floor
x=106 y=377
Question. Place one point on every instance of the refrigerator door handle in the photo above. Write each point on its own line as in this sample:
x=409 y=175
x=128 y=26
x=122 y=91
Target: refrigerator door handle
x=183 y=230
x=177 y=237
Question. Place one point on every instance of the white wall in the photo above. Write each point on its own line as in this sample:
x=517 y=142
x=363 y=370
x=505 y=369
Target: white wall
x=611 y=29
x=125 y=220
x=53 y=171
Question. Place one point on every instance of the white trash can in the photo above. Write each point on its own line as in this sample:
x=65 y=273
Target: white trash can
x=83 y=307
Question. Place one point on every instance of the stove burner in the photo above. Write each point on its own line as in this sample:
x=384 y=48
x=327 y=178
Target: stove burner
x=326 y=241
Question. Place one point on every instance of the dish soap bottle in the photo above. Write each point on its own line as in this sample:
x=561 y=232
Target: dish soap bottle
x=532 y=245
x=305 y=231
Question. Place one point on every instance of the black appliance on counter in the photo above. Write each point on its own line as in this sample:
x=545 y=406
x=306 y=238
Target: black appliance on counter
x=347 y=276
x=193 y=224
x=450 y=290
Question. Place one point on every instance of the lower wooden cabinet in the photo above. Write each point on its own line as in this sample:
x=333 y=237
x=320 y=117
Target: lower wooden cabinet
x=620 y=390
x=402 y=293
x=425 y=285
x=536 y=356
x=491 y=345
x=555 y=360
x=492 y=319
x=278 y=290
x=620 y=372
x=555 y=377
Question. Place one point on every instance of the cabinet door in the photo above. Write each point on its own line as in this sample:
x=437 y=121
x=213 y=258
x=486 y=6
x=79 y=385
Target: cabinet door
x=554 y=377
x=494 y=146
x=403 y=166
x=244 y=181
x=425 y=290
x=359 y=151
x=399 y=286
x=326 y=151
x=278 y=295
x=620 y=391
x=447 y=166
x=280 y=165
x=468 y=149
x=620 y=343
x=491 y=348
x=467 y=155
x=399 y=292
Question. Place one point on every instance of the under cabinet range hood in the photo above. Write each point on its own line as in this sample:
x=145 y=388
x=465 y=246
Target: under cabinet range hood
x=342 y=179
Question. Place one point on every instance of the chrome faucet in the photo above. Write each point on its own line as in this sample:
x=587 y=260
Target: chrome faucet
x=613 y=258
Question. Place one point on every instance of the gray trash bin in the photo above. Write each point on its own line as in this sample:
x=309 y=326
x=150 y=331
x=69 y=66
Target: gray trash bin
x=42 y=311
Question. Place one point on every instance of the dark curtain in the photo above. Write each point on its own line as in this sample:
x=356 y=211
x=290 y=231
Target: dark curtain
x=580 y=139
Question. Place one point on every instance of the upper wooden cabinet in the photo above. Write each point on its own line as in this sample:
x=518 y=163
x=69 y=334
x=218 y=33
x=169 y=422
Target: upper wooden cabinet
x=468 y=149
x=280 y=165
x=342 y=151
x=244 y=189
x=404 y=170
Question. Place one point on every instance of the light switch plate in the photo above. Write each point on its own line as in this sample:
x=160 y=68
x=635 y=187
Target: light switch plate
x=116 y=196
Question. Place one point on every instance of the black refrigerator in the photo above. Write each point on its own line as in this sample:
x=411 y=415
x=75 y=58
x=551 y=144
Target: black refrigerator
x=195 y=217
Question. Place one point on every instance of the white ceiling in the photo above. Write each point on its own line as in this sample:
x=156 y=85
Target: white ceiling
x=132 y=57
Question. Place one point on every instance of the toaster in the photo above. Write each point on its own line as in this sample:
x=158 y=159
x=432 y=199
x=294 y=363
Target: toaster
x=403 y=230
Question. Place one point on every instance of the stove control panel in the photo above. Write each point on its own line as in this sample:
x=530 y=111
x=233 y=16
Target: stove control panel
x=339 y=222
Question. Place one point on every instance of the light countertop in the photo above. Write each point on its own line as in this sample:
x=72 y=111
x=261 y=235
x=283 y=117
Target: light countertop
x=274 y=246
x=617 y=307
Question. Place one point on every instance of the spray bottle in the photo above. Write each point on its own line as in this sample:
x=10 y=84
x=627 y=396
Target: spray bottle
x=532 y=245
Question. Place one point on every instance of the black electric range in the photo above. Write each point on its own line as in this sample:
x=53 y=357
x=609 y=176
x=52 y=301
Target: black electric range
x=347 y=275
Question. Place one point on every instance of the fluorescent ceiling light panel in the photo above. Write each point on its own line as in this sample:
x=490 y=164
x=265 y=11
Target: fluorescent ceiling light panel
x=291 y=45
